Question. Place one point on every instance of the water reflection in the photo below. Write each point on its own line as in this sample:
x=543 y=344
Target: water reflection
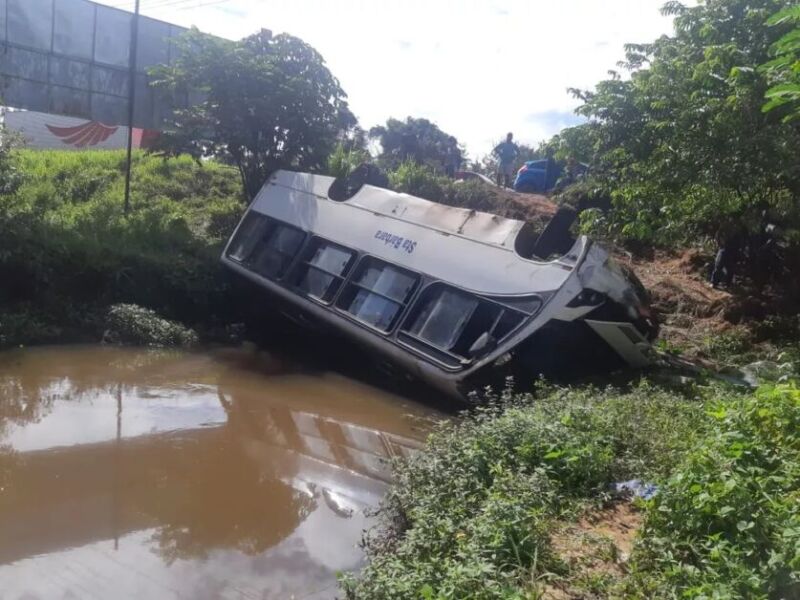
x=129 y=473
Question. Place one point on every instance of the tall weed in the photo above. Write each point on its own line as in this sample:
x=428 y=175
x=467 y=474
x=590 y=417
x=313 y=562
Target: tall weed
x=68 y=247
x=470 y=516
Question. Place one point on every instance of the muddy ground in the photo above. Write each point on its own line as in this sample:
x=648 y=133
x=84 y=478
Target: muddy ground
x=691 y=312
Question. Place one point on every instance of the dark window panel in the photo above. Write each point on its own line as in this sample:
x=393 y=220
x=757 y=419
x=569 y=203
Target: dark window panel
x=378 y=293
x=153 y=46
x=110 y=81
x=30 y=23
x=250 y=233
x=112 y=37
x=67 y=101
x=70 y=73
x=3 y=6
x=73 y=29
x=26 y=64
x=110 y=110
x=30 y=94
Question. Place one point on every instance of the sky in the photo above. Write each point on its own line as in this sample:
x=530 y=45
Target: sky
x=477 y=68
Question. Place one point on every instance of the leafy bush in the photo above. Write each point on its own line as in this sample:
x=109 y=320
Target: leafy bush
x=131 y=324
x=24 y=326
x=416 y=140
x=727 y=523
x=682 y=144
x=469 y=517
x=343 y=160
x=472 y=515
x=783 y=70
x=10 y=176
x=422 y=181
x=418 y=180
x=269 y=103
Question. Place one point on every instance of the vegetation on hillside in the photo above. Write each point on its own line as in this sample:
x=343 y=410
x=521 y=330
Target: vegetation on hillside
x=476 y=514
x=418 y=141
x=682 y=145
x=68 y=251
x=682 y=150
x=783 y=71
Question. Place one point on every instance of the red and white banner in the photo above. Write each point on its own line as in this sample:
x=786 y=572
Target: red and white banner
x=43 y=130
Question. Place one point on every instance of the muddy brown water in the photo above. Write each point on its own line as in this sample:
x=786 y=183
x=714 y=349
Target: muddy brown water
x=130 y=473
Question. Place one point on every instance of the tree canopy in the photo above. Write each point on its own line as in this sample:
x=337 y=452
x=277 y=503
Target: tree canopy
x=783 y=70
x=418 y=140
x=263 y=103
x=683 y=143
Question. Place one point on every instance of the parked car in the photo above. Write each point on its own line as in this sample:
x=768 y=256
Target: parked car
x=472 y=176
x=537 y=176
x=541 y=176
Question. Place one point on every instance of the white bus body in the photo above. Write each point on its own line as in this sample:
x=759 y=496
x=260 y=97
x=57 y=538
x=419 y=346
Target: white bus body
x=451 y=296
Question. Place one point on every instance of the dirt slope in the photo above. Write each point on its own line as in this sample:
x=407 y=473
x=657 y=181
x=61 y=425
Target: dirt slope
x=508 y=203
x=691 y=312
x=689 y=309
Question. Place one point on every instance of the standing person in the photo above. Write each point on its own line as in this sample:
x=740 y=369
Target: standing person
x=506 y=153
x=730 y=239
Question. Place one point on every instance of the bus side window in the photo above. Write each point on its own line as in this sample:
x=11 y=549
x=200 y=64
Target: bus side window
x=450 y=322
x=250 y=232
x=275 y=251
x=322 y=269
x=378 y=293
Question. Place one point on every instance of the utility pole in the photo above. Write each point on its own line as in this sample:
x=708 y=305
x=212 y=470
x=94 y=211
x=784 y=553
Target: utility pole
x=131 y=98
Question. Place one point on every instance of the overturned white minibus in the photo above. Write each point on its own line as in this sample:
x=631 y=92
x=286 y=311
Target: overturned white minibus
x=450 y=296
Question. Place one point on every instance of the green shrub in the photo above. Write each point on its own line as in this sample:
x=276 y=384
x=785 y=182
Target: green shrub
x=131 y=324
x=469 y=517
x=342 y=161
x=67 y=246
x=418 y=180
x=10 y=176
x=736 y=345
x=727 y=523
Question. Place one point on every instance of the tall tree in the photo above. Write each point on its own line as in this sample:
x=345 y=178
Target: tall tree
x=263 y=103
x=683 y=142
x=783 y=70
x=417 y=140
x=10 y=177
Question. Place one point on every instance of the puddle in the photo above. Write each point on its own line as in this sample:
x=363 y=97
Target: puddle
x=132 y=473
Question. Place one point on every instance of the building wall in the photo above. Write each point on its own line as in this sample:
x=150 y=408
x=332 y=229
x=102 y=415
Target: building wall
x=43 y=130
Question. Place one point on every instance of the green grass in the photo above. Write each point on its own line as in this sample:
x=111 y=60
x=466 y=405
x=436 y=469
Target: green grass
x=473 y=515
x=68 y=251
x=727 y=522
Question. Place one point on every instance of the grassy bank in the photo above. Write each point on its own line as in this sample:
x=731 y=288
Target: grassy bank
x=68 y=251
x=512 y=501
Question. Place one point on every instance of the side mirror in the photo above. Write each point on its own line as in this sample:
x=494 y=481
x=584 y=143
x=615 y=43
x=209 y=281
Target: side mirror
x=486 y=342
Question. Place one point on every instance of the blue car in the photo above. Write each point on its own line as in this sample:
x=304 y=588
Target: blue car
x=538 y=176
x=541 y=176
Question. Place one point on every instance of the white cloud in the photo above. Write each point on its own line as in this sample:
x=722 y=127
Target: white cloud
x=478 y=68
